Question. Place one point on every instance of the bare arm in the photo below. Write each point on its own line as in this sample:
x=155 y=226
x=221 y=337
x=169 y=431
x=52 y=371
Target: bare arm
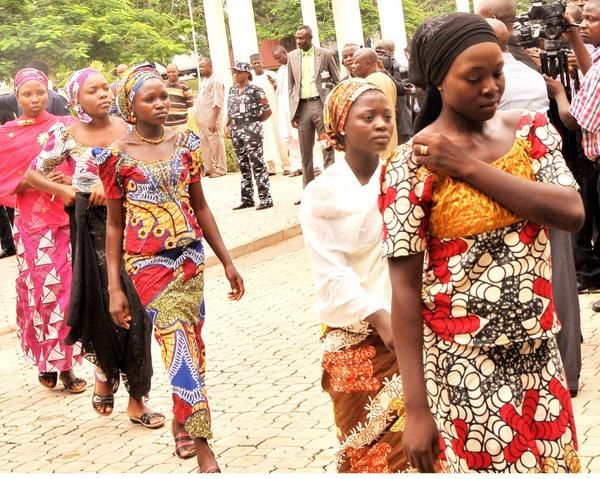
x=557 y=91
x=420 y=436
x=581 y=53
x=119 y=304
x=211 y=232
x=40 y=182
x=265 y=115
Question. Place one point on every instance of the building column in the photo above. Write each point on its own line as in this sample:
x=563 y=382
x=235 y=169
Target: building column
x=463 y=6
x=217 y=38
x=391 y=19
x=348 y=24
x=309 y=17
x=242 y=29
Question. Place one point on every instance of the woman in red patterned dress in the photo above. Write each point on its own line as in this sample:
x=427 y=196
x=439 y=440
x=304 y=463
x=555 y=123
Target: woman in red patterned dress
x=466 y=207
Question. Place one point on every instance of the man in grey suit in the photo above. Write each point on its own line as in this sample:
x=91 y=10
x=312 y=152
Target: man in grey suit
x=312 y=73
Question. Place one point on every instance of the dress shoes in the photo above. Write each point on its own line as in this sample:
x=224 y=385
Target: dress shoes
x=297 y=202
x=585 y=285
x=596 y=306
x=7 y=254
x=243 y=206
x=295 y=173
x=264 y=206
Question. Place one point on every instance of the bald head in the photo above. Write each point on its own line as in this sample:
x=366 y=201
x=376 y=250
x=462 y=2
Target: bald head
x=172 y=73
x=386 y=45
x=364 y=62
x=122 y=68
x=501 y=32
x=503 y=10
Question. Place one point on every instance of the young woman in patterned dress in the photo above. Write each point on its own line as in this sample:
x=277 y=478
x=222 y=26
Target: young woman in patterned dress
x=466 y=207
x=342 y=231
x=114 y=351
x=157 y=217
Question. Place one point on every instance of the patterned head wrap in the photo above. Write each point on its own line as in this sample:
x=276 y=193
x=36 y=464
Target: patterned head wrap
x=73 y=90
x=28 y=74
x=338 y=104
x=434 y=47
x=129 y=85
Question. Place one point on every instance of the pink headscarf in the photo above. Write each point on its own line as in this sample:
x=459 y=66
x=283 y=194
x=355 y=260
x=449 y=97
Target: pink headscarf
x=73 y=90
x=28 y=74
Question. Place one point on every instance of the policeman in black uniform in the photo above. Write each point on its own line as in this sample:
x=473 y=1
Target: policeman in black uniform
x=247 y=107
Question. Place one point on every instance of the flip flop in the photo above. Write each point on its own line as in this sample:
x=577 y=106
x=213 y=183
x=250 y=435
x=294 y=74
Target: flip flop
x=146 y=420
x=183 y=441
x=74 y=385
x=50 y=378
x=98 y=401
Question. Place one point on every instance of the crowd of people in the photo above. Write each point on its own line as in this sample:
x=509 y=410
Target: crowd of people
x=449 y=240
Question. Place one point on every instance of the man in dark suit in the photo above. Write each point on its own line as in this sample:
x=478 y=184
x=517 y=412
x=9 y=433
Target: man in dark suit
x=312 y=73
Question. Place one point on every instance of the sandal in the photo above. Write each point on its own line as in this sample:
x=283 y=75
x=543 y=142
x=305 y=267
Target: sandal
x=99 y=401
x=146 y=420
x=184 y=442
x=48 y=380
x=74 y=385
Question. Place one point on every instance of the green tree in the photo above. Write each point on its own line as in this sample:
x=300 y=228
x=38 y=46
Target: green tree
x=69 y=34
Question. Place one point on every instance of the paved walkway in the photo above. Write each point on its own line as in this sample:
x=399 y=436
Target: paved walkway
x=269 y=413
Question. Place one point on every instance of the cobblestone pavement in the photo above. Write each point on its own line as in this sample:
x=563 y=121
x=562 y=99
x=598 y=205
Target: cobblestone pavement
x=263 y=373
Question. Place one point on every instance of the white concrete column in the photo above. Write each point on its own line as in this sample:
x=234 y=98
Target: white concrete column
x=242 y=29
x=217 y=39
x=391 y=19
x=348 y=24
x=309 y=17
x=463 y=6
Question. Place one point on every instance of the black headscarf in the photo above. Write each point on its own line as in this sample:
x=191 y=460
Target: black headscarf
x=435 y=45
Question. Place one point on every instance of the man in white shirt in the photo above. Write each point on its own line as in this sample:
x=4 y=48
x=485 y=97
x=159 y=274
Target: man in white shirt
x=524 y=87
x=274 y=150
x=287 y=133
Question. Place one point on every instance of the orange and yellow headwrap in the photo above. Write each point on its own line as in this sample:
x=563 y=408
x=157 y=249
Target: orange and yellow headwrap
x=338 y=104
x=128 y=86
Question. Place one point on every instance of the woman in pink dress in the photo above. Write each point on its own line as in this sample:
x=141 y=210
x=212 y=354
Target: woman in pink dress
x=41 y=233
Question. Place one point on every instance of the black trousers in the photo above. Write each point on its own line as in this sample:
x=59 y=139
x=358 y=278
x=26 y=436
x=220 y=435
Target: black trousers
x=586 y=245
x=6 y=220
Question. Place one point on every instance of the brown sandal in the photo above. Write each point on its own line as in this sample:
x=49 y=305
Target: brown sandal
x=183 y=441
x=48 y=380
x=74 y=385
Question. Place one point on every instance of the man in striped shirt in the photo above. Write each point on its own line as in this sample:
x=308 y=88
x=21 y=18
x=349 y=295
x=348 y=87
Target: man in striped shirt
x=181 y=99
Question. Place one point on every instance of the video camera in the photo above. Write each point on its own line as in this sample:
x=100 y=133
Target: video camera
x=542 y=21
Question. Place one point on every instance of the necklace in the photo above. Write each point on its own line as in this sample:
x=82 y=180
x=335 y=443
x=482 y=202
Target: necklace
x=151 y=140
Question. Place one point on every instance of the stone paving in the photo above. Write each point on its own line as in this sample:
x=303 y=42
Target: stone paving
x=263 y=375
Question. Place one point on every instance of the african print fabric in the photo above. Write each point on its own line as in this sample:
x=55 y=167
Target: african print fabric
x=165 y=259
x=61 y=147
x=43 y=285
x=493 y=372
x=361 y=376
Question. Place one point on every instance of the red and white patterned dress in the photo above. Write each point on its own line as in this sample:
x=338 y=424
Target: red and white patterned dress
x=493 y=373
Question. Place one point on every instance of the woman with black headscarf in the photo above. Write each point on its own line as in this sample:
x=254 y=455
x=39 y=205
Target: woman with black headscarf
x=466 y=207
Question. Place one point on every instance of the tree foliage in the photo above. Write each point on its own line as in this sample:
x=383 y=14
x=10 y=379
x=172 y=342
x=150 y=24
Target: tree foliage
x=70 y=34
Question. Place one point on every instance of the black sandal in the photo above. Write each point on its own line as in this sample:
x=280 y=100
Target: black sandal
x=98 y=401
x=48 y=380
x=146 y=420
